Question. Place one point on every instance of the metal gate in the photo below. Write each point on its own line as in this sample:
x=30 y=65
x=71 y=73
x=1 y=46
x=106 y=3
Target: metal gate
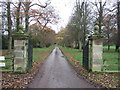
x=30 y=54
x=85 y=62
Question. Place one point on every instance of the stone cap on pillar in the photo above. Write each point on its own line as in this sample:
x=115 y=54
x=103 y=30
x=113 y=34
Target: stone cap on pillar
x=20 y=35
x=96 y=37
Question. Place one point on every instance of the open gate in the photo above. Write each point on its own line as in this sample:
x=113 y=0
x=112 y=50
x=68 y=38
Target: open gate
x=30 y=55
x=85 y=62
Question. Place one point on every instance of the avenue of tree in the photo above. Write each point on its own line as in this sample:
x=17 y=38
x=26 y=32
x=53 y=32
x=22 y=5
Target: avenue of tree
x=87 y=15
x=106 y=15
x=20 y=14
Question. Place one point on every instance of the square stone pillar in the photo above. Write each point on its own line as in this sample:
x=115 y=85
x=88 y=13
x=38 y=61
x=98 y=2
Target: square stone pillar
x=20 y=53
x=96 y=53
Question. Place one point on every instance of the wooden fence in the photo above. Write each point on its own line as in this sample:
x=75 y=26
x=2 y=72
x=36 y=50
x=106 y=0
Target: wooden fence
x=111 y=67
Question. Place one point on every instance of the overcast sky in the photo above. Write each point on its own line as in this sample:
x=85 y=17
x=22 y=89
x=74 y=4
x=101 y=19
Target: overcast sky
x=64 y=9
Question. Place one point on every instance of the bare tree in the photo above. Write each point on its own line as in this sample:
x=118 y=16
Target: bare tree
x=27 y=6
x=78 y=25
x=109 y=28
x=18 y=16
x=9 y=25
x=100 y=7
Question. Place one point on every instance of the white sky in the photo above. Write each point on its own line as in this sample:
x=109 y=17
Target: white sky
x=63 y=8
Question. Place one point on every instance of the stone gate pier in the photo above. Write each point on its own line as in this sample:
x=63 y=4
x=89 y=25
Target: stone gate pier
x=20 y=52
x=96 y=53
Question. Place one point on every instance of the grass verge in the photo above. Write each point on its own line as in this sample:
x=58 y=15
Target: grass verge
x=75 y=53
x=111 y=58
x=38 y=52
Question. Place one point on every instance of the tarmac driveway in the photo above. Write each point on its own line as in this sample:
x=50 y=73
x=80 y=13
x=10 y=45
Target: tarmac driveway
x=56 y=72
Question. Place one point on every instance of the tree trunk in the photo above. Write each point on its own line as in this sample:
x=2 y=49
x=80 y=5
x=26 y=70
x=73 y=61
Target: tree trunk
x=84 y=22
x=100 y=17
x=17 y=16
x=108 y=47
x=80 y=45
x=9 y=26
x=26 y=16
x=108 y=42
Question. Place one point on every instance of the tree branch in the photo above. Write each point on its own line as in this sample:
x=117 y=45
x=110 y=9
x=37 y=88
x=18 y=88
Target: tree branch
x=14 y=4
x=39 y=5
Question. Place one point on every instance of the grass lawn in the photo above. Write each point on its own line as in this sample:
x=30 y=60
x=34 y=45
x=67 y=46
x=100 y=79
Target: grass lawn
x=8 y=65
x=109 y=55
x=111 y=59
x=112 y=49
x=75 y=52
x=37 y=54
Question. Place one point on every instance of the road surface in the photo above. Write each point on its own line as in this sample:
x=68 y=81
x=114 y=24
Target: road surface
x=56 y=72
